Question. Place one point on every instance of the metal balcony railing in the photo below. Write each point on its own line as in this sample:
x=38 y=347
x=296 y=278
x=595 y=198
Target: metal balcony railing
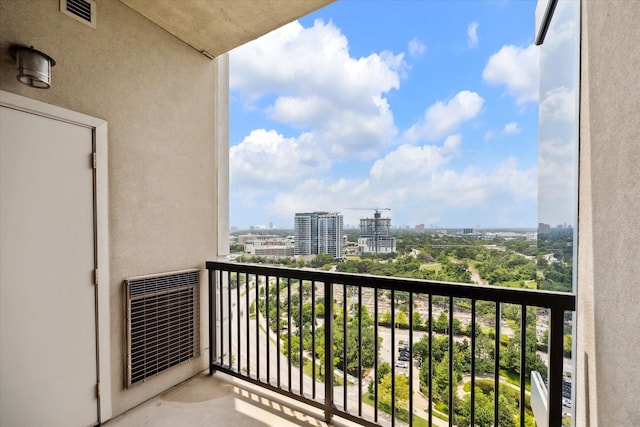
x=326 y=339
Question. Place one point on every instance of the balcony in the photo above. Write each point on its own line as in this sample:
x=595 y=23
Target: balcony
x=273 y=329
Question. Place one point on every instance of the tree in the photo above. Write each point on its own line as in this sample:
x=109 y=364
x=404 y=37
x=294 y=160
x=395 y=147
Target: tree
x=421 y=349
x=483 y=410
x=347 y=341
x=442 y=323
x=567 y=345
x=294 y=356
x=320 y=310
x=383 y=369
x=385 y=319
x=401 y=320
x=401 y=395
x=320 y=260
x=417 y=319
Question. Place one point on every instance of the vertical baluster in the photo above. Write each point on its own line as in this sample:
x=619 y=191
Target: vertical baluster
x=289 y=333
x=556 y=336
x=430 y=339
x=410 y=359
x=238 y=334
x=313 y=340
x=278 y=330
x=300 y=327
x=221 y=318
x=375 y=360
x=212 y=320
x=393 y=362
x=451 y=351
x=257 y=327
x=496 y=374
x=344 y=347
x=229 y=319
x=359 y=350
x=267 y=333
x=523 y=359
x=473 y=362
x=248 y=317
x=328 y=351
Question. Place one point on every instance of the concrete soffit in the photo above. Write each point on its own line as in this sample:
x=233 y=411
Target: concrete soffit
x=215 y=27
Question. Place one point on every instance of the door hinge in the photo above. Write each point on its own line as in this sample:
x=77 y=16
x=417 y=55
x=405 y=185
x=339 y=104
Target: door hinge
x=94 y=160
x=95 y=276
x=98 y=390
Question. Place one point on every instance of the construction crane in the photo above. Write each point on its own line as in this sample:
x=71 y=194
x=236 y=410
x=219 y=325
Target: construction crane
x=377 y=220
x=376 y=210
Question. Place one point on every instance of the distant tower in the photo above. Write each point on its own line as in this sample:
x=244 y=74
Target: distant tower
x=375 y=235
x=319 y=233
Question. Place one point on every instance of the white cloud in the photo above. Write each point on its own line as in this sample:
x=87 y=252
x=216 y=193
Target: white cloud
x=416 y=48
x=559 y=104
x=472 y=34
x=319 y=87
x=410 y=163
x=265 y=159
x=418 y=182
x=511 y=128
x=516 y=68
x=441 y=119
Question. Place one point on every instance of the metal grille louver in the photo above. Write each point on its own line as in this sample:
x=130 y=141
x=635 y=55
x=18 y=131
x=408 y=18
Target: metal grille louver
x=163 y=322
x=82 y=10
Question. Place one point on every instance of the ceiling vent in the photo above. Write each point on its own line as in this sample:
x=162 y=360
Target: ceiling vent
x=162 y=323
x=80 y=10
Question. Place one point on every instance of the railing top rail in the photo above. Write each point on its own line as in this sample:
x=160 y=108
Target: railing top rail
x=548 y=299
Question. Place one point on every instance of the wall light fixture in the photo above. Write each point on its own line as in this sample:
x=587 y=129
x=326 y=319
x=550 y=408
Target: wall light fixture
x=34 y=67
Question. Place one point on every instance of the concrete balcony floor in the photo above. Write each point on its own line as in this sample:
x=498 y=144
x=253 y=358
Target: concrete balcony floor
x=221 y=400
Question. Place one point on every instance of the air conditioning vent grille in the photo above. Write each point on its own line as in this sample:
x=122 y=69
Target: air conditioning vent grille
x=163 y=323
x=81 y=10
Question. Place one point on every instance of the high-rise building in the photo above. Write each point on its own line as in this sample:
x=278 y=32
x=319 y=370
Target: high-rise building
x=374 y=235
x=318 y=233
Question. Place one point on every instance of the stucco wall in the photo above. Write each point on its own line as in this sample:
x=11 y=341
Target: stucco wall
x=608 y=382
x=157 y=95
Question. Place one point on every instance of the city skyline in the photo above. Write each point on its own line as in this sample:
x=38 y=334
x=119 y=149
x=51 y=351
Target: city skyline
x=436 y=120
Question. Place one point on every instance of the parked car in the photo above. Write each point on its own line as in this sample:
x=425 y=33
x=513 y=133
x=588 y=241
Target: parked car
x=400 y=364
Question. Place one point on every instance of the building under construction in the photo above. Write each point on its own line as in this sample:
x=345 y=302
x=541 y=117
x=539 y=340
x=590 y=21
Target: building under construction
x=375 y=235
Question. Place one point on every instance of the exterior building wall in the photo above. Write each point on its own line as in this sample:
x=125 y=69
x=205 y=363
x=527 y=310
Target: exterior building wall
x=607 y=379
x=330 y=235
x=269 y=245
x=318 y=233
x=162 y=173
x=303 y=234
x=374 y=236
x=385 y=245
x=274 y=251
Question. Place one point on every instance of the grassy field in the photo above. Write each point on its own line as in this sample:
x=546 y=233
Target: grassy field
x=433 y=266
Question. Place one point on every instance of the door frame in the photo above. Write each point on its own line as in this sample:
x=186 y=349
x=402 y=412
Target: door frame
x=101 y=233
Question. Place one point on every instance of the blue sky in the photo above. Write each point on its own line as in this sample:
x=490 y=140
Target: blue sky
x=429 y=108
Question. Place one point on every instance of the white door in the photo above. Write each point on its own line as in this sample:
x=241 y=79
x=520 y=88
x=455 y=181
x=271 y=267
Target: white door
x=47 y=257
